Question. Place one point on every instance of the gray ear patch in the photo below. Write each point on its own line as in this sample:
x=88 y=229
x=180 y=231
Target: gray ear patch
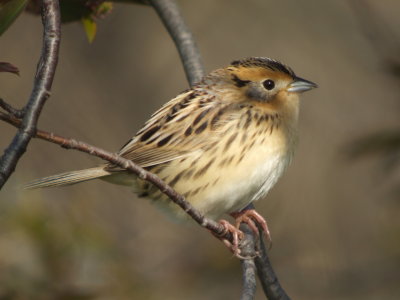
x=258 y=93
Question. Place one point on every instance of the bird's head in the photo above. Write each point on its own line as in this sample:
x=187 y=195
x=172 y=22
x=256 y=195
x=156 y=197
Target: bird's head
x=265 y=80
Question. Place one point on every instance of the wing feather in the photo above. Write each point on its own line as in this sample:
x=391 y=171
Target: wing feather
x=165 y=136
x=179 y=129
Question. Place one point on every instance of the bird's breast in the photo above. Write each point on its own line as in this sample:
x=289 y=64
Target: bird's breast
x=242 y=169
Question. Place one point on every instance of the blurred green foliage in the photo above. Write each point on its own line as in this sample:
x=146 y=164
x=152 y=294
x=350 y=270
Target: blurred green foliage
x=85 y=11
x=48 y=249
x=9 y=11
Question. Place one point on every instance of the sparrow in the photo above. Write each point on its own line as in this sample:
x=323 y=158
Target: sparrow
x=222 y=144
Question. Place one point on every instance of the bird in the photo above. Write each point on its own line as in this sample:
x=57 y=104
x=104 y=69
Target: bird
x=222 y=144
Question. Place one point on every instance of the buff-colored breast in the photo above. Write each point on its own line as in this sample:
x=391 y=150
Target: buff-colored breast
x=242 y=167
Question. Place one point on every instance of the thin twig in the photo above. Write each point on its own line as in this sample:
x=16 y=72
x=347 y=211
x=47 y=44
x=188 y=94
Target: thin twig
x=127 y=164
x=170 y=15
x=41 y=90
x=18 y=113
x=248 y=246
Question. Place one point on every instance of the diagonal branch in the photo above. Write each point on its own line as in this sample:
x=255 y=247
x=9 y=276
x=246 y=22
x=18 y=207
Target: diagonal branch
x=41 y=90
x=130 y=166
x=170 y=15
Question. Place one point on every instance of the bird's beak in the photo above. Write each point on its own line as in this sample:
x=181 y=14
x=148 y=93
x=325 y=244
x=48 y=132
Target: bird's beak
x=300 y=85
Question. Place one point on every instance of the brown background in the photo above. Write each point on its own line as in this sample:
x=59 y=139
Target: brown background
x=334 y=222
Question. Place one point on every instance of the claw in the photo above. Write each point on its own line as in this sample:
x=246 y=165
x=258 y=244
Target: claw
x=251 y=217
x=236 y=234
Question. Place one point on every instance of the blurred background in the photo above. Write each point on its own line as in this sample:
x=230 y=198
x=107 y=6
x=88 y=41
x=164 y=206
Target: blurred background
x=334 y=216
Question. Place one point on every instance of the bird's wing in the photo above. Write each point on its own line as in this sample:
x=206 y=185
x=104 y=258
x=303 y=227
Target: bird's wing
x=180 y=128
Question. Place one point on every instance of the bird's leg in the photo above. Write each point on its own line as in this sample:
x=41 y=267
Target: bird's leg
x=237 y=235
x=249 y=216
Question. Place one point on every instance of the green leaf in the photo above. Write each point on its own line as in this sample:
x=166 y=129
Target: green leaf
x=9 y=11
x=90 y=28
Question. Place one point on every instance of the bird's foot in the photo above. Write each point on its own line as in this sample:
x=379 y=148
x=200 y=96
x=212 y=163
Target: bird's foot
x=237 y=235
x=252 y=218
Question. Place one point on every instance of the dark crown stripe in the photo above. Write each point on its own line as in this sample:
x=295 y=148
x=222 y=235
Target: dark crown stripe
x=263 y=62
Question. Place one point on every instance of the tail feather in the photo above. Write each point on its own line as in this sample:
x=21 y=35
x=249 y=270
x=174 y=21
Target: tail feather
x=68 y=178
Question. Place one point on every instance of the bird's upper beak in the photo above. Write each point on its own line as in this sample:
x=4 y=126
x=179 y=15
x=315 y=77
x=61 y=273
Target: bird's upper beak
x=300 y=85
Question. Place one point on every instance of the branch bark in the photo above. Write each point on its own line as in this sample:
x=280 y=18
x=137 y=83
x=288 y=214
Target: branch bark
x=248 y=249
x=41 y=90
x=269 y=281
x=170 y=15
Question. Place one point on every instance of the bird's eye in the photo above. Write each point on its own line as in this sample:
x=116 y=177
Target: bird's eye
x=269 y=84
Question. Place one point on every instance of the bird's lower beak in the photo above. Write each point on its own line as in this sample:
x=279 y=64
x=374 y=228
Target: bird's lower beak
x=300 y=85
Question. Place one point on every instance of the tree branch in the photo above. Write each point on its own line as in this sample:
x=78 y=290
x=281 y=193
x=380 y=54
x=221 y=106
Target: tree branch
x=170 y=15
x=41 y=90
x=248 y=247
x=18 y=113
x=269 y=281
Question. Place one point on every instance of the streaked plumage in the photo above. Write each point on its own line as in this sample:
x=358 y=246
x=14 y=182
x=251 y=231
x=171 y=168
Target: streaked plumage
x=222 y=144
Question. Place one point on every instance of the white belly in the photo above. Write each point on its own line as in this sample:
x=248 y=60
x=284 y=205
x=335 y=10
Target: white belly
x=246 y=183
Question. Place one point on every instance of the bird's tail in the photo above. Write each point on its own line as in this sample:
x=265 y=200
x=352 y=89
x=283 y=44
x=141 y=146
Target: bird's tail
x=68 y=178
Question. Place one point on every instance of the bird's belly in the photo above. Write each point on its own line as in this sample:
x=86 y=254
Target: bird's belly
x=241 y=186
